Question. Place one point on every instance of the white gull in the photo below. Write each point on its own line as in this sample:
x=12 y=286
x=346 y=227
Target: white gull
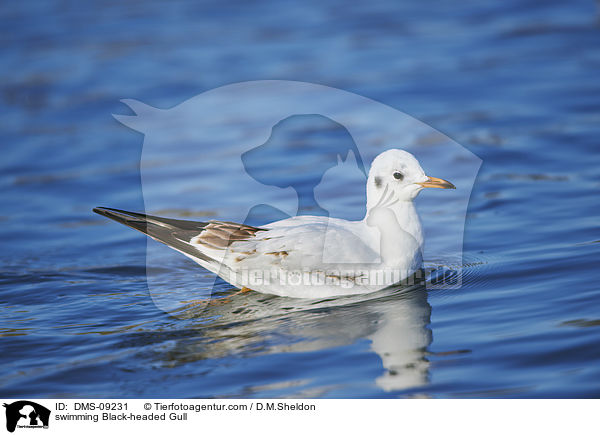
x=293 y=257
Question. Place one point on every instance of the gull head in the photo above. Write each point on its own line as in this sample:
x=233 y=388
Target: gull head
x=396 y=175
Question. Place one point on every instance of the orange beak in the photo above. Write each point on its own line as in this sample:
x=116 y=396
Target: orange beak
x=437 y=182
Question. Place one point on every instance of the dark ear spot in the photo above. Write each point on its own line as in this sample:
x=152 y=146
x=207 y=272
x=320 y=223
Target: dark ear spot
x=377 y=182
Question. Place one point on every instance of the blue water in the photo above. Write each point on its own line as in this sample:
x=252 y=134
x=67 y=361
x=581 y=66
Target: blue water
x=514 y=82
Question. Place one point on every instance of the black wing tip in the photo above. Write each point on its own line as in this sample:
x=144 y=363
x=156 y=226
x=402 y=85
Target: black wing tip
x=104 y=210
x=121 y=216
x=101 y=210
x=110 y=212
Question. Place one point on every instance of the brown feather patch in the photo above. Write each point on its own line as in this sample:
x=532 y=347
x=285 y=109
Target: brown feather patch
x=220 y=235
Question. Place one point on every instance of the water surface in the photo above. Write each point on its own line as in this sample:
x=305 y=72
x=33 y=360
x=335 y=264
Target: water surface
x=514 y=82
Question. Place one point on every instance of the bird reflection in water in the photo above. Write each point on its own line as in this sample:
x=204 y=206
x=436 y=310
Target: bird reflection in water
x=395 y=321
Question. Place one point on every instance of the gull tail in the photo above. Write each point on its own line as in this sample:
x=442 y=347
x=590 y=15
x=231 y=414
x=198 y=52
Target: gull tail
x=174 y=233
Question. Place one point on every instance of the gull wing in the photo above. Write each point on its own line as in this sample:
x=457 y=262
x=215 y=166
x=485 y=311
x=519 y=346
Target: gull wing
x=188 y=237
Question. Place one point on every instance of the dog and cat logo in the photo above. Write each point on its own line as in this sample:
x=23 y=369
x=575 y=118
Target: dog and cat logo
x=26 y=414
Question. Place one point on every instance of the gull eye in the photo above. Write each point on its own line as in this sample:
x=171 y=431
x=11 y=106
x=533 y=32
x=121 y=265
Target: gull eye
x=398 y=176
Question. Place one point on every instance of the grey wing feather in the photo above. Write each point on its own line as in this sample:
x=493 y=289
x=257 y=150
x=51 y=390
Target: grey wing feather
x=182 y=235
